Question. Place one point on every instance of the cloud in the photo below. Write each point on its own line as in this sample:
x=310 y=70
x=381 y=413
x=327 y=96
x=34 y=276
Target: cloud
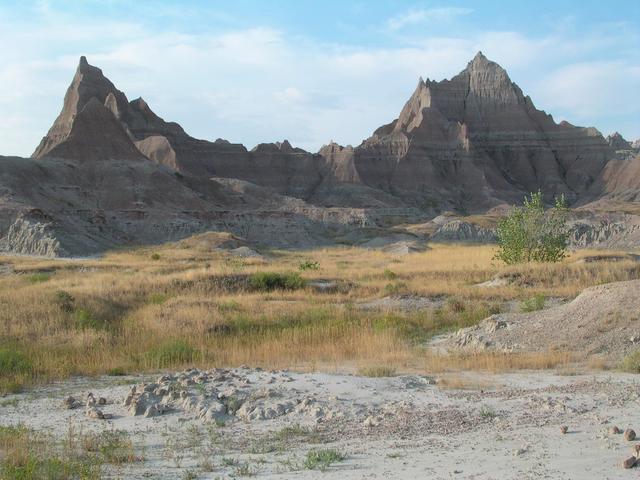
x=261 y=84
x=417 y=16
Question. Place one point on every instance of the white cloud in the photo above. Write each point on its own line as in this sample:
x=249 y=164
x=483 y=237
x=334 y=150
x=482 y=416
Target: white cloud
x=424 y=15
x=260 y=84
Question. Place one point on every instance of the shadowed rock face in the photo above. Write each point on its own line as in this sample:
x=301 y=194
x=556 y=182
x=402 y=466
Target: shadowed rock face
x=110 y=171
x=475 y=141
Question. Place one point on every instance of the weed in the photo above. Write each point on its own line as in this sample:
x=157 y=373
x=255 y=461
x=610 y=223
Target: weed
x=322 y=459
x=170 y=353
x=389 y=275
x=158 y=298
x=308 y=265
x=631 y=363
x=532 y=304
x=38 y=277
x=377 y=371
x=268 y=281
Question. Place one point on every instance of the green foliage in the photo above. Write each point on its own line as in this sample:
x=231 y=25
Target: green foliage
x=170 y=353
x=158 y=298
x=377 y=371
x=531 y=234
x=155 y=256
x=631 y=363
x=389 y=274
x=322 y=459
x=269 y=281
x=84 y=320
x=64 y=300
x=13 y=362
x=532 y=304
x=308 y=265
x=39 y=277
x=396 y=288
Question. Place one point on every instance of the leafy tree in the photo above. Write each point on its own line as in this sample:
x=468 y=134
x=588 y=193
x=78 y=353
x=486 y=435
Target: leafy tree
x=532 y=234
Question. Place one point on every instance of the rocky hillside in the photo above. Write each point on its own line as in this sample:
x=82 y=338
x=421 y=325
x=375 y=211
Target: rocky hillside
x=110 y=172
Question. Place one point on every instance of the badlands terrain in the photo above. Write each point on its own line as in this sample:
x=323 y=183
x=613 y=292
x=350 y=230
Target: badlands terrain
x=172 y=307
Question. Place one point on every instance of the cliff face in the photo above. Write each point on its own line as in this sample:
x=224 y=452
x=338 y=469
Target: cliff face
x=110 y=171
x=475 y=141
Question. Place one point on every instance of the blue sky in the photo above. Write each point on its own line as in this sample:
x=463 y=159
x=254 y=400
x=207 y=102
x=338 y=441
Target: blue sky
x=255 y=71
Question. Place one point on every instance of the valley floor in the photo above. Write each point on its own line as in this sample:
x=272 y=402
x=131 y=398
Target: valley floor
x=297 y=425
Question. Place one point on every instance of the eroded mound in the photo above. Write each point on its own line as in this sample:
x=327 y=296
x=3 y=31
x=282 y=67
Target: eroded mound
x=601 y=320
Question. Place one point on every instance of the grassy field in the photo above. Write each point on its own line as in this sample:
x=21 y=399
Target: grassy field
x=187 y=304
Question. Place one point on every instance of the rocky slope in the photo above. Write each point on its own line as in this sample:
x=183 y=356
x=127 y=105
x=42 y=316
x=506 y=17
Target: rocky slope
x=110 y=171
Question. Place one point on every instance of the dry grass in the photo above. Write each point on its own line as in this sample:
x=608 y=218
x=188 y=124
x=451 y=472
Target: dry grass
x=171 y=306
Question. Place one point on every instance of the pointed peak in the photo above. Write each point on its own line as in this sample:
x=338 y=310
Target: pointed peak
x=83 y=61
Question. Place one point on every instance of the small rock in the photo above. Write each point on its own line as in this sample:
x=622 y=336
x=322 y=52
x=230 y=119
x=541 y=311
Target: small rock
x=102 y=401
x=93 y=412
x=71 y=403
x=564 y=429
x=371 y=421
x=91 y=400
x=614 y=430
x=636 y=450
x=629 y=435
x=629 y=462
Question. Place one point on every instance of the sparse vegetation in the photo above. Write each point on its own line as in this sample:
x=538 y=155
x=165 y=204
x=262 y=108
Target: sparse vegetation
x=268 y=281
x=322 y=459
x=631 y=363
x=377 y=371
x=533 y=304
x=308 y=265
x=126 y=313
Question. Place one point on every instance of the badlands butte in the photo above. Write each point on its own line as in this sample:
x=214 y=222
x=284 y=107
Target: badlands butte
x=111 y=172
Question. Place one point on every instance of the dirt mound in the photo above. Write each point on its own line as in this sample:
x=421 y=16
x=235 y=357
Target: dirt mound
x=601 y=320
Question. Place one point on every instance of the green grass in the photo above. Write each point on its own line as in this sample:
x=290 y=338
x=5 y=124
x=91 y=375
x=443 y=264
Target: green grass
x=631 y=363
x=533 y=304
x=269 y=281
x=38 y=277
x=84 y=319
x=322 y=459
x=158 y=298
x=171 y=353
x=377 y=371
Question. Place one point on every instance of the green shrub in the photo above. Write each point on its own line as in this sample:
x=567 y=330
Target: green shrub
x=172 y=352
x=389 y=274
x=39 y=277
x=377 y=371
x=84 y=320
x=322 y=459
x=531 y=234
x=13 y=362
x=158 y=298
x=532 y=304
x=268 y=281
x=308 y=265
x=631 y=363
x=397 y=288
x=155 y=256
x=64 y=300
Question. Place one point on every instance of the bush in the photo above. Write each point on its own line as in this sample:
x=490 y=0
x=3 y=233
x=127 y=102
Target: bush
x=39 y=277
x=532 y=304
x=172 y=352
x=389 y=274
x=308 y=265
x=531 y=234
x=155 y=256
x=13 y=362
x=268 y=281
x=84 y=319
x=322 y=459
x=64 y=300
x=631 y=363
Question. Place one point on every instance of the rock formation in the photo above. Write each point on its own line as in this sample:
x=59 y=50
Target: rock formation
x=110 y=171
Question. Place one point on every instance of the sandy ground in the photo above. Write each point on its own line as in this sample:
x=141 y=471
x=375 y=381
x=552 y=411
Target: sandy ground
x=404 y=427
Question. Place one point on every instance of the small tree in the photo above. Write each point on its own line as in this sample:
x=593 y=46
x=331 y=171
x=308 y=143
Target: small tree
x=531 y=234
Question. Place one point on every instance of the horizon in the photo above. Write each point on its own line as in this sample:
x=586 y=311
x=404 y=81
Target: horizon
x=260 y=75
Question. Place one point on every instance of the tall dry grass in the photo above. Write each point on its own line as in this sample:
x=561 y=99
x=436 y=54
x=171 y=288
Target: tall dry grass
x=170 y=306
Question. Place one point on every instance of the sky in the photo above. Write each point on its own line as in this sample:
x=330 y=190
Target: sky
x=253 y=71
